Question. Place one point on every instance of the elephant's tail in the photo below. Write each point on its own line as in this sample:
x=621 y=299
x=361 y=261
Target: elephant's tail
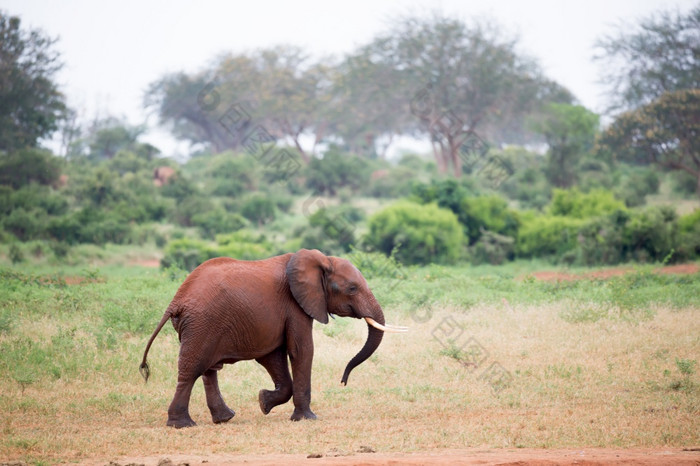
x=143 y=368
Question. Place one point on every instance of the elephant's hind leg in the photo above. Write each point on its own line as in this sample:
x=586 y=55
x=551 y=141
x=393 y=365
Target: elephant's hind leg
x=277 y=367
x=178 y=412
x=219 y=411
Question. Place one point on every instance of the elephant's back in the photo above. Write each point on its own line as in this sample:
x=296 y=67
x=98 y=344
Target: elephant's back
x=229 y=286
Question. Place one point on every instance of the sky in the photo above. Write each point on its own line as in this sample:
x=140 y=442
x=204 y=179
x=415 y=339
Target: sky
x=113 y=49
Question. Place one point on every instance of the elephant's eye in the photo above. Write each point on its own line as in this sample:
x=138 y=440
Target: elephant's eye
x=352 y=289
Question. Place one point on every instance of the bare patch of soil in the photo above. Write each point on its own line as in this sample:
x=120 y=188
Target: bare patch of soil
x=575 y=456
x=605 y=274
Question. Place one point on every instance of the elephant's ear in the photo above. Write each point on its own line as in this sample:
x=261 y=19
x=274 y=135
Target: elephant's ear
x=306 y=272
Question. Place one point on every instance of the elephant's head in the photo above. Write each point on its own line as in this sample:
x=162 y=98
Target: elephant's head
x=325 y=285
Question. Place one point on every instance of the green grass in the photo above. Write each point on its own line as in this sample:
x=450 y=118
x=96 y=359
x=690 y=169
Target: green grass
x=494 y=358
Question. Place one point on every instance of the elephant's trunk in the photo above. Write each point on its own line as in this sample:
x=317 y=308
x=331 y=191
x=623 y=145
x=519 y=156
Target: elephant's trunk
x=374 y=338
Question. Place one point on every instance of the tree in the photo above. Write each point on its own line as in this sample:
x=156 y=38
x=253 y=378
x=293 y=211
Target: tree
x=244 y=100
x=31 y=103
x=366 y=99
x=570 y=131
x=665 y=132
x=459 y=80
x=656 y=56
x=106 y=137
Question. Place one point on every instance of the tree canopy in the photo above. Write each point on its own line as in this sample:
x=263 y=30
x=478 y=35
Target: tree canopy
x=665 y=132
x=437 y=77
x=31 y=102
x=645 y=60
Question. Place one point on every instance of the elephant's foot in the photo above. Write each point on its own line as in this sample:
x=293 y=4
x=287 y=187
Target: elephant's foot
x=263 y=399
x=223 y=414
x=300 y=414
x=268 y=399
x=181 y=422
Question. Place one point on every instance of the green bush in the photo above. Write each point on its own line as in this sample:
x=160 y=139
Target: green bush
x=490 y=213
x=492 y=248
x=547 y=235
x=337 y=170
x=601 y=240
x=29 y=166
x=331 y=229
x=636 y=184
x=25 y=224
x=688 y=246
x=232 y=175
x=185 y=254
x=574 y=203
x=392 y=182
x=90 y=225
x=683 y=183
x=32 y=196
x=651 y=233
x=217 y=221
x=243 y=245
x=259 y=209
x=422 y=233
x=190 y=207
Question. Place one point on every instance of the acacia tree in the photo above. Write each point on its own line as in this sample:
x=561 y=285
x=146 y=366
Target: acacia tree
x=654 y=73
x=643 y=61
x=289 y=94
x=366 y=103
x=665 y=132
x=569 y=131
x=32 y=106
x=263 y=96
x=458 y=80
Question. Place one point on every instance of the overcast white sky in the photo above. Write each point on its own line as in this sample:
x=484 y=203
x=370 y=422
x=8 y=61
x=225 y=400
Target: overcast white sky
x=112 y=49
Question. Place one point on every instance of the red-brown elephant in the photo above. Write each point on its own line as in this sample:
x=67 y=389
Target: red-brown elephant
x=229 y=310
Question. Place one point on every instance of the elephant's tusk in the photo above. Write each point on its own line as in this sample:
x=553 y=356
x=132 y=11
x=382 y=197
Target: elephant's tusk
x=386 y=328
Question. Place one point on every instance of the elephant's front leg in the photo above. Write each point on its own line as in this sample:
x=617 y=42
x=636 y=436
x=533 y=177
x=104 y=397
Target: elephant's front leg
x=219 y=411
x=301 y=355
x=277 y=367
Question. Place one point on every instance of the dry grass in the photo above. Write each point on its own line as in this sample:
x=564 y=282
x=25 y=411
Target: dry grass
x=597 y=384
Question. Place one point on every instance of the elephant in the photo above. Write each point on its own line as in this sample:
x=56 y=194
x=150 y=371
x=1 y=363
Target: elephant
x=230 y=310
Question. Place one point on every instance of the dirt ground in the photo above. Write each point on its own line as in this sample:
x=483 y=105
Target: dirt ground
x=603 y=274
x=576 y=456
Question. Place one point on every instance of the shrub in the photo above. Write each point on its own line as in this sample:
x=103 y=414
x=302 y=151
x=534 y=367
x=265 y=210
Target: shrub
x=337 y=170
x=688 y=245
x=331 y=229
x=29 y=166
x=492 y=248
x=422 y=233
x=185 y=254
x=487 y=213
x=24 y=224
x=547 y=235
x=187 y=209
x=259 y=209
x=244 y=245
x=217 y=221
x=574 y=203
x=601 y=240
x=232 y=175
x=651 y=233
x=636 y=185
x=392 y=183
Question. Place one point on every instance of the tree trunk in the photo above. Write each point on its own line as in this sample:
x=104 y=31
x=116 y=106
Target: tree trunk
x=456 y=160
x=304 y=155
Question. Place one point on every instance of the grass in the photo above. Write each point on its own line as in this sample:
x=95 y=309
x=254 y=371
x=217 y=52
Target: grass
x=494 y=358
